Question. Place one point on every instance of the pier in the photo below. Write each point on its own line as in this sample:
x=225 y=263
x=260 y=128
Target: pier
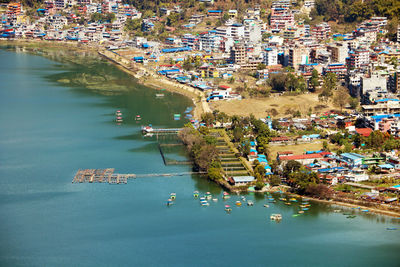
x=108 y=176
x=149 y=129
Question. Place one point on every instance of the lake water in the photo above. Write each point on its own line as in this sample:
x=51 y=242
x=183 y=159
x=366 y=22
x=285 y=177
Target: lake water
x=52 y=124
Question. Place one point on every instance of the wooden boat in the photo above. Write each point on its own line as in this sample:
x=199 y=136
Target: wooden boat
x=250 y=203
x=196 y=194
x=351 y=217
x=228 y=208
x=238 y=203
x=276 y=217
x=288 y=203
x=266 y=206
x=173 y=196
x=301 y=211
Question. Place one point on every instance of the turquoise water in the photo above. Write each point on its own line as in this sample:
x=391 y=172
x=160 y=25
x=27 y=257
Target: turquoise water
x=50 y=129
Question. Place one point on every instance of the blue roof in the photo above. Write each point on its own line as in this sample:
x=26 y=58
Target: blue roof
x=378 y=118
x=214 y=11
x=353 y=156
x=252 y=143
x=386 y=100
x=386 y=166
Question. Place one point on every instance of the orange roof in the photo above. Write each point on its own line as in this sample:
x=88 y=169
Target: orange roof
x=364 y=131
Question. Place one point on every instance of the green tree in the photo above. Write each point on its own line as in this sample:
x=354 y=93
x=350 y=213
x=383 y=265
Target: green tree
x=314 y=81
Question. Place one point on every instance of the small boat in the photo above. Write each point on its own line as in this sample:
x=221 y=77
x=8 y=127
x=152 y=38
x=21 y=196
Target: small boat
x=173 y=196
x=196 y=194
x=295 y=215
x=138 y=118
x=266 y=205
x=208 y=195
x=169 y=202
x=238 y=203
x=159 y=95
x=243 y=198
x=202 y=199
x=250 y=203
x=293 y=199
x=276 y=217
x=271 y=198
x=215 y=199
x=228 y=208
x=301 y=211
x=283 y=199
x=204 y=203
x=337 y=211
x=226 y=195
x=391 y=228
x=365 y=210
x=288 y=203
x=304 y=208
x=351 y=217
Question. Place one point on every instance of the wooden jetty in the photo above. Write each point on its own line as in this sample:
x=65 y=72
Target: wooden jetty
x=149 y=129
x=108 y=176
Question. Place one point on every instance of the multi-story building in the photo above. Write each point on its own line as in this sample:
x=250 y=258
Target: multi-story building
x=298 y=55
x=359 y=58
x=321 y=31
x=382 y=107
x=398 y=34
x=239 y=53
x=339 y=52
x=210 y=42
x=270 y=57
x=252 y=33
x=281 y=19
x=60 y=4
x=394 y=81
x=339 y=69
x=190 y=40
x=309 y=4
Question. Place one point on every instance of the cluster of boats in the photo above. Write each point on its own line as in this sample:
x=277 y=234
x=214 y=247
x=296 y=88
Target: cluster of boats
x=118 y=117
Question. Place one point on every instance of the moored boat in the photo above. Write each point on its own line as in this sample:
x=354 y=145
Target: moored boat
x=196 y=194
x=238 y=203
x=250 y=203
x=228 y=208
x=173 y=196
x=266 y=205
x=276 y=217
x=138 y=118
x=169 y=202
x=226 y=195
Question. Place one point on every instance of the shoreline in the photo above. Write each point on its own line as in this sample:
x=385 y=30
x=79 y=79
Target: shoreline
x=143 y=75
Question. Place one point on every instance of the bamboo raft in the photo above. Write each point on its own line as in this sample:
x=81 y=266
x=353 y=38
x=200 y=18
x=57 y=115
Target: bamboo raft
x=108 y=176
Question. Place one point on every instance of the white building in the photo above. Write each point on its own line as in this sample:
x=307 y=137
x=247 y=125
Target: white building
x=270 y=57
